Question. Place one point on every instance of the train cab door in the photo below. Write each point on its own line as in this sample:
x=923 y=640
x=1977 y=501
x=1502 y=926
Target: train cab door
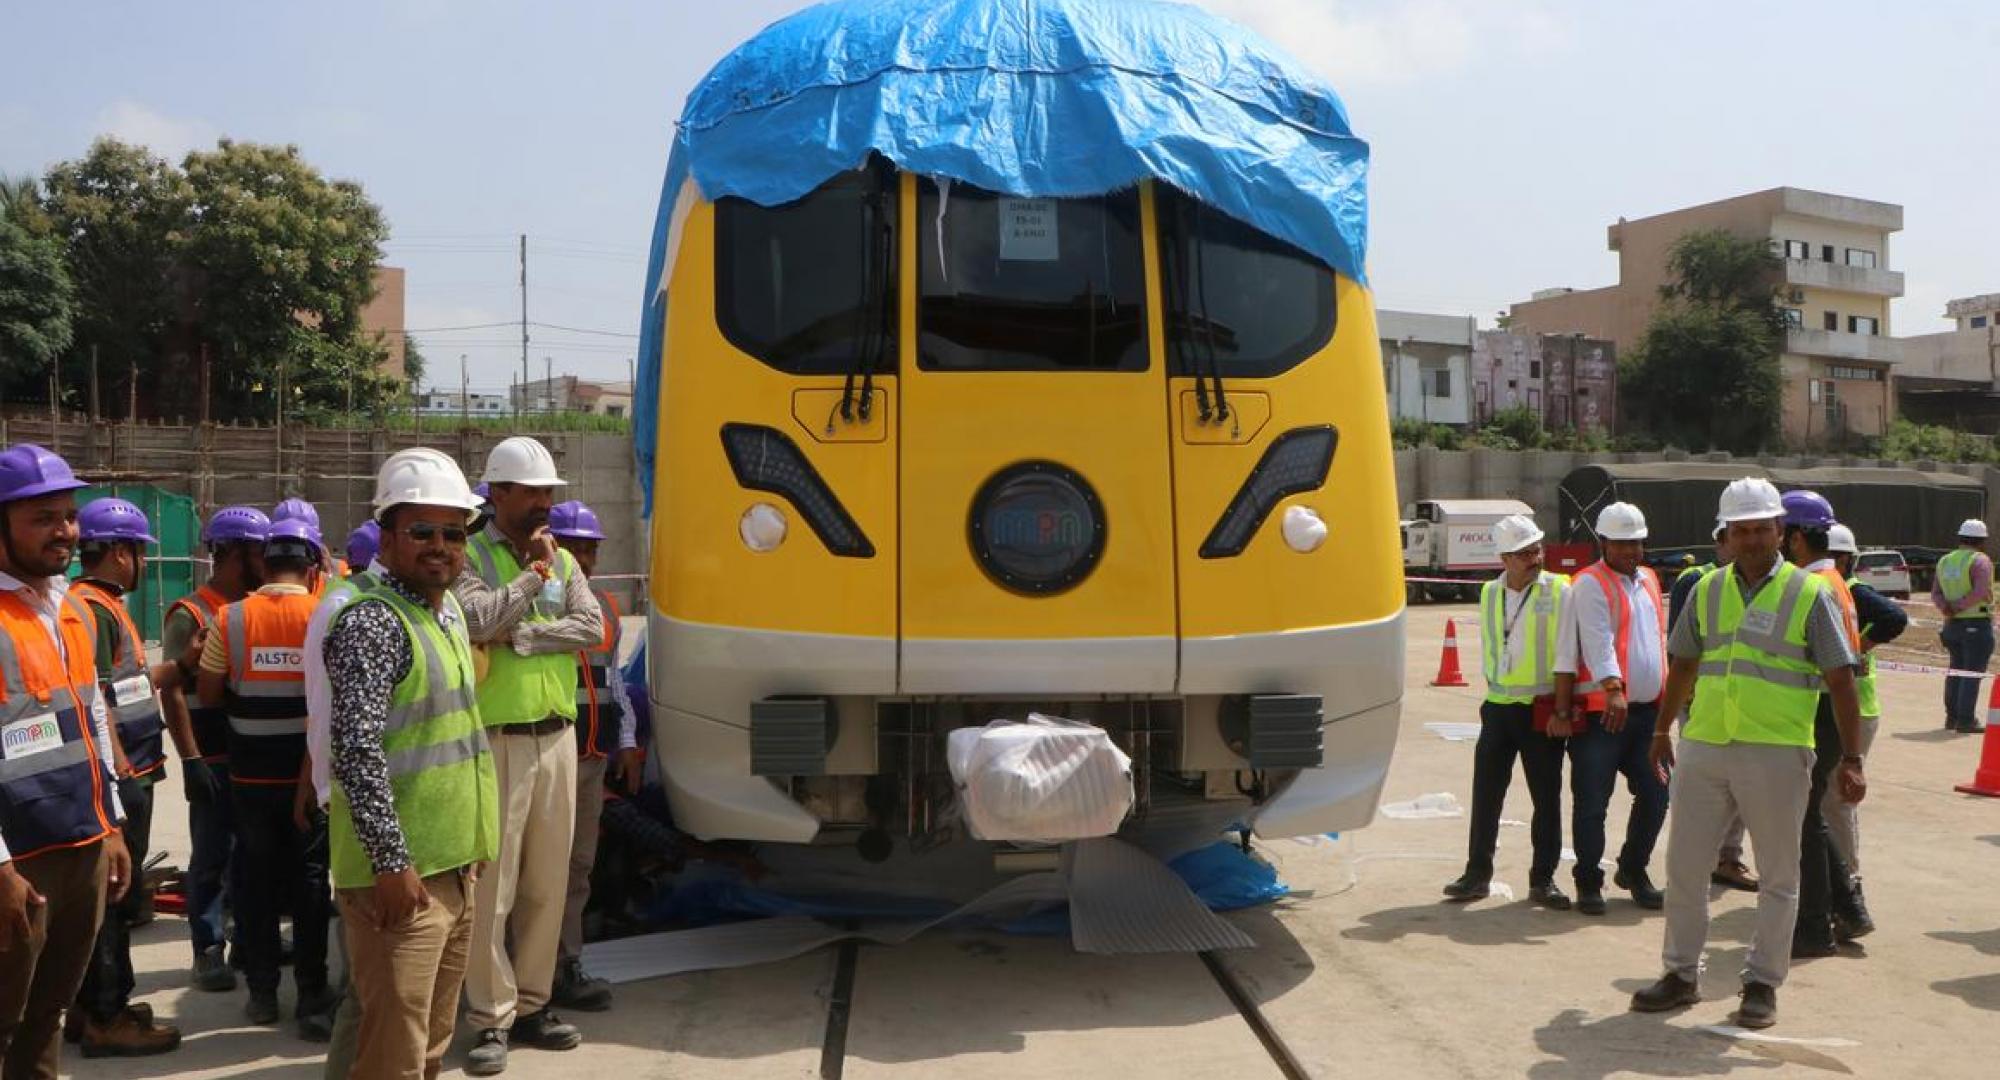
x=1036 y=492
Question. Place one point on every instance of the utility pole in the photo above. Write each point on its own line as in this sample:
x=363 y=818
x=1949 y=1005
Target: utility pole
x=548 y=384
x=95 y=415
x=464 y=395
x=204 y=383
x=522 y=405
x=132 y=385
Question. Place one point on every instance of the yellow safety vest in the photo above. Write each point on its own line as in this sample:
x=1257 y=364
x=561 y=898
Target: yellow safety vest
x=1954 y=574
x=523 y=689
x=1756 y=684
x=1537 y=619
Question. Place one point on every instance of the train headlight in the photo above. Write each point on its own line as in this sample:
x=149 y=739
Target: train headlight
x=762 y=527
x=1304 y=531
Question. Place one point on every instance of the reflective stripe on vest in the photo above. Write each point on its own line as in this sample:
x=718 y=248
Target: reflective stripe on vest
x=129 y=694
x=598 y=714
x=1755 y=685
x=1620 y=610
x=1538 y=621
x=211 y=725
x=54 y=791
x=522 y=689
x=440 y=766
x=266 y=700
x=1954 y=576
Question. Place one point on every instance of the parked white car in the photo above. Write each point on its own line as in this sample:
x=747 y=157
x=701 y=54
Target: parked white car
x=1885 y=572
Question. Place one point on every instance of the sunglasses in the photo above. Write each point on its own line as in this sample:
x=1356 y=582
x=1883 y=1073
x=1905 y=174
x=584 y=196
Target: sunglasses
x=424 y=533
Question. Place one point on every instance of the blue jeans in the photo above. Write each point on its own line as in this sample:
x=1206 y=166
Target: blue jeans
x=1970 y=645
x=1596 y=758
x=212 y=836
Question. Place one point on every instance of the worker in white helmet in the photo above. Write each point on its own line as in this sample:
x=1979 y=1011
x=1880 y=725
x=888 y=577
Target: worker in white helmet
x=1881 y=621
x=527 y=601
x=1610 y=667
x=1963 y=594
x=1761 y=641
x=1730 y=869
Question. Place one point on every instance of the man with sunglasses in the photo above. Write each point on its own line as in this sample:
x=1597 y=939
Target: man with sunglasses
x=526 y=601
x=413 y=804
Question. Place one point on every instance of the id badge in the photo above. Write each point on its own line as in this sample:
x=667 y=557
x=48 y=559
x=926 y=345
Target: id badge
x=1759 y=621
x=131 y=691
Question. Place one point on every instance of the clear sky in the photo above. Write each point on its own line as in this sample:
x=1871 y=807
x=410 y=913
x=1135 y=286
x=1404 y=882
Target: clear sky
x=1506 y=135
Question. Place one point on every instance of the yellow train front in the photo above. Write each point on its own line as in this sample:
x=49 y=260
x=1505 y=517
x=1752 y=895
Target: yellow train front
x=930 y=455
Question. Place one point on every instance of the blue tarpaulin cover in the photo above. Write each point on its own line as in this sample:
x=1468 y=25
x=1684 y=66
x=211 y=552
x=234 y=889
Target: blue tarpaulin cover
x=1031 y=98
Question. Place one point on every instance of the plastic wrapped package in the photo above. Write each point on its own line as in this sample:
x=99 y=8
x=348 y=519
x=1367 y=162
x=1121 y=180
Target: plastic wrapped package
x=1044 y=778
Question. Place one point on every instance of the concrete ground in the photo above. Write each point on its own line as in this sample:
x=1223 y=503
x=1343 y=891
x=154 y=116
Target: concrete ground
x=1362 y=972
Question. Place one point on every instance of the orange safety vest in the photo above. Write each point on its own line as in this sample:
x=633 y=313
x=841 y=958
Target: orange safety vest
x=54 y=792
x=211 y=726
x=1621 y=619
x=1849 y=620
x=129 y=693
x=597 y=713
x=264 y=635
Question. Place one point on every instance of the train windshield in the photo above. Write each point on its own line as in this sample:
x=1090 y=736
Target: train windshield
x=1239 y=303
x=810 y=287
x=1011 y=284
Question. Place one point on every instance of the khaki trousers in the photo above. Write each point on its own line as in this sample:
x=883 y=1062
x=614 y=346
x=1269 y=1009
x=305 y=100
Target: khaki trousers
x=1768 y=787
x=39 y=976
x=406 y=979
x=517 y=923
x=1843 y=818
x=583 y=850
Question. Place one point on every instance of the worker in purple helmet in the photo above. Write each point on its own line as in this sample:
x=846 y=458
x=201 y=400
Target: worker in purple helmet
x=115 y=534
x=362 y=546
x=62 y=855
x=1829 y=910
x=234 y=537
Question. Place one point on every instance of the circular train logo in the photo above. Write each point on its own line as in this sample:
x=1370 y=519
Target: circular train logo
x=1037 y=527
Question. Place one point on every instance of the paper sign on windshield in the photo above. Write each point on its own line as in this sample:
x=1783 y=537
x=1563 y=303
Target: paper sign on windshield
x=1028 y=230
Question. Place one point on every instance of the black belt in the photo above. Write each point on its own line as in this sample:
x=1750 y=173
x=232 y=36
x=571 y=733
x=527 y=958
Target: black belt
x=547 y=726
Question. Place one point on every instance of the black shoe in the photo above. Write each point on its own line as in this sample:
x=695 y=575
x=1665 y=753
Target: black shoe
x=1466 y=889
x=1549 y=895
x=316 y=1027
x=211 y=973
x=1590 y=901
x=1641 y=887
x=262 y=1008
x=488 y=1057
x=1850 y=917
x=1671 y=992
x=545 y=1031
x=576 y=989
x=1759 y=1008
x=1810 y=946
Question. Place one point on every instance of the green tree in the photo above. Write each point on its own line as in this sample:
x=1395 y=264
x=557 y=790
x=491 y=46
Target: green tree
x=1705 y=373
x=122 y=214
x=37 y=300
x=287 y=262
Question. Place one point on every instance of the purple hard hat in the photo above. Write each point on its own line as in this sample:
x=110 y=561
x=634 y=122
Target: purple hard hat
x=292 y=530
x=236 y=524
x=27 y=472
x=574 y=521
x=110 y=520
x=1807 y=509
x=298 y=510
x=363 y=544
x=484 y=491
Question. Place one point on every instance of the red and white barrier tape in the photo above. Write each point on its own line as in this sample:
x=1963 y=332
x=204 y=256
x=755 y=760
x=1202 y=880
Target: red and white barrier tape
x=1470 y=628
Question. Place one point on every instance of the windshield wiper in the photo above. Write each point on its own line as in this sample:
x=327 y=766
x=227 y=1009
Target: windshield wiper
x=1207 y=325
x=873 y=296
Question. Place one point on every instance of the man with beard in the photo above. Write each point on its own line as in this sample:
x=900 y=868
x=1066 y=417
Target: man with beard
x=527 y=602
x=61 y=853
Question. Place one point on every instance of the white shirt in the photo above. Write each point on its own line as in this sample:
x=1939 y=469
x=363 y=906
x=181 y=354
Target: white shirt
x=47 y=599
x=1514 y=646
x=1585 y=628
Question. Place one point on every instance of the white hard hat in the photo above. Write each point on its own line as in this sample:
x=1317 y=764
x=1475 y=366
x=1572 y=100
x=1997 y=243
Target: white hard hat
x=1973 y=529
x=1749 y=499
x=521 y=460
x=1621 y=521
x=1840 y=538
x=1514 y=532
x=423 y=477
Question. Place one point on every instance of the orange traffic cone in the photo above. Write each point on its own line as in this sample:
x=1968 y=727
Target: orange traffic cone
x=1448 y=673
x=1986 y=779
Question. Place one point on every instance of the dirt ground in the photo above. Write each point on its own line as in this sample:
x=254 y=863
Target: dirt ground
x=1361 y=971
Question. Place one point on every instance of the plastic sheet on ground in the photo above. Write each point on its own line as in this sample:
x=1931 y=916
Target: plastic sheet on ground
x=1440 y=804
x=1453 y=732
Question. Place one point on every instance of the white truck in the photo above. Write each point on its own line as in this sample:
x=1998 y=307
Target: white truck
x=1453 y=539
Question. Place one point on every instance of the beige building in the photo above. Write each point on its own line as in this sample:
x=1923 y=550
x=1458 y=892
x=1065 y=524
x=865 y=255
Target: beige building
x=1838 y=357
x=383 y=317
